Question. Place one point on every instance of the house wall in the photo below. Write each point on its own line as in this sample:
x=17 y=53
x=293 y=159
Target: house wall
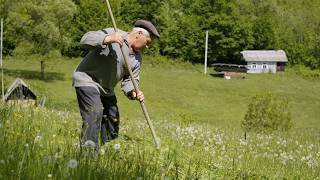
x=261 y=67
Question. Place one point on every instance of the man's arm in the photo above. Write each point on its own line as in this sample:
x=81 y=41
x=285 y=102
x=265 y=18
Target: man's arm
x=127 y=85
x=100 y=39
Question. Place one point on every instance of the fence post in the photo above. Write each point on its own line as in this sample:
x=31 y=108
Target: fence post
x=206 y=54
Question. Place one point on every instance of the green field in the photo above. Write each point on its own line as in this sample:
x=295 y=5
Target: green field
x=196 y=116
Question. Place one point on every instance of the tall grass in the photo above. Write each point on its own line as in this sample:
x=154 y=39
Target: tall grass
x=41 y=143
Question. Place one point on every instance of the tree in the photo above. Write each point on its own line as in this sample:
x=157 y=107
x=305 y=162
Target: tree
x=42 y=24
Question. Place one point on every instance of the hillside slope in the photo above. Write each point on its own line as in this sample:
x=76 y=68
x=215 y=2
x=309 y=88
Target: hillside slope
x=178 y=92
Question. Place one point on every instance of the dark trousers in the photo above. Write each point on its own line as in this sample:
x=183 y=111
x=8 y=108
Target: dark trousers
x=98 y=113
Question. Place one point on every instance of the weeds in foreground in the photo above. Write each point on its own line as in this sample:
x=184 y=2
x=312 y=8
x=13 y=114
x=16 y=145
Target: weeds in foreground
x=42 y=143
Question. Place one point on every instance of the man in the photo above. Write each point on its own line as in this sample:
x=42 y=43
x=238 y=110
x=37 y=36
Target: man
x=98 y=73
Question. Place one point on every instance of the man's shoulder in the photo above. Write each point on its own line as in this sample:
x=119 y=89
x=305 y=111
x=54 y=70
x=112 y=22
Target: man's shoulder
x=111 y=30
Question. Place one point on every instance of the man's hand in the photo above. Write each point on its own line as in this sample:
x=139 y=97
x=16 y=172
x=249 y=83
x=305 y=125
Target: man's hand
x=113 y=38
x=137 y=96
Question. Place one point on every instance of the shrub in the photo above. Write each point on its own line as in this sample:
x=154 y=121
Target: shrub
x=267 y=112
x=307 y=72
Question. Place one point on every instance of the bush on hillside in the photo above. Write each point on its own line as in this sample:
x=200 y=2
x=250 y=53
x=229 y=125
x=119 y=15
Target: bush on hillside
x=307 y=72
x=267 y=112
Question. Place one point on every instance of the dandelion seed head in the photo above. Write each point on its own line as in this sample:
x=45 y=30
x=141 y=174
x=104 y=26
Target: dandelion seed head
x=117 y=146
x=72 y=164
x=89 y=144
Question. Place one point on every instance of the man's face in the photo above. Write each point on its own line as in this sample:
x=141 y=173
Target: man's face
x=142 y=41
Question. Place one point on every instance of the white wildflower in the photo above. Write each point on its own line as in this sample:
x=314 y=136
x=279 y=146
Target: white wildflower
x=178 y=131
x=223 y=148
x=243 y=142
x=56 y=156
x=116 y=146
x=240 y=156
x=102 y=152
x=217 y=165
x=72 y=164
x=290 y=157
x=49 y=176
x=311 y=163
x=89 y=144
x=37 y=139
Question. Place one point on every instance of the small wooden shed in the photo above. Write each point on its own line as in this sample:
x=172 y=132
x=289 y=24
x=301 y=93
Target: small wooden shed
x=265 y=61
x=20 y=93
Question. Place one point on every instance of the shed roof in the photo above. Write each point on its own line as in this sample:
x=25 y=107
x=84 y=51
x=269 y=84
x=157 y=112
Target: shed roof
x=264 y=56
x=19 y=90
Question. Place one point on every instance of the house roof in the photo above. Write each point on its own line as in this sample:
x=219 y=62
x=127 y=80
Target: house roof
x=264 y=56
x=16 y=84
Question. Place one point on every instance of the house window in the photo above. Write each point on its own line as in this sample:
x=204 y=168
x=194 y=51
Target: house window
x=254 y=65
x=264 y=66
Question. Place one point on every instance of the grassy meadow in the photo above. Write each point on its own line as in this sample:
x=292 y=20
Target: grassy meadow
x=197 y=118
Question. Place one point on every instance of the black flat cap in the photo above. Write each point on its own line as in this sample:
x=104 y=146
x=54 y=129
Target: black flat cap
x=147 y=25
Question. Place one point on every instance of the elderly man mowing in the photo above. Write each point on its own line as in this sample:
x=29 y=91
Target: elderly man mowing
x=98 y=73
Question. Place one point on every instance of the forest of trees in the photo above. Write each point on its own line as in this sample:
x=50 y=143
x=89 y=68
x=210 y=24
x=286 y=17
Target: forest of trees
x=44 y=26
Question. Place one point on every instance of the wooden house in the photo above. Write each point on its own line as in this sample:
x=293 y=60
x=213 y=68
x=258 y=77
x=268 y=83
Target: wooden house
x=264 y=61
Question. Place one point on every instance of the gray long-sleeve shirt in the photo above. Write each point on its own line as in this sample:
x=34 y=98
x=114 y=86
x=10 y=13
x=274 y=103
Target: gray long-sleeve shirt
x=103 y=67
